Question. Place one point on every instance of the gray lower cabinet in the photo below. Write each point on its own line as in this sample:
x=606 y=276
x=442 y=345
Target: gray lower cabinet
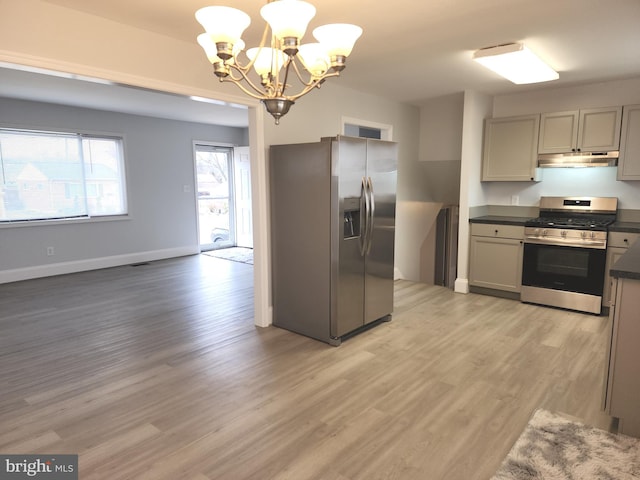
x=621 y=396
x=495 y=260
x=617 y=245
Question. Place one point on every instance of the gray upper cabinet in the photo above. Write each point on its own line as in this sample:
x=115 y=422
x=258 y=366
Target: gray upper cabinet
x=590 y=130
x=629 y=162
x=510 y=148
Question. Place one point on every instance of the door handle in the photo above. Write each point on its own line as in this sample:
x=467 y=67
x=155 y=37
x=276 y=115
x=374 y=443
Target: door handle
x=364 y=217
x=372 y=212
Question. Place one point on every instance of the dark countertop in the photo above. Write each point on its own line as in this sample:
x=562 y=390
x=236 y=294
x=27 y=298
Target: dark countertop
x=628 y=265
x=500 y=220
x=628 y=227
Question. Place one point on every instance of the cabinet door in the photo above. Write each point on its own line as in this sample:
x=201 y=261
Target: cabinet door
x=629 y=162
x=624 y=392
x=599 y=129
x=613 y=254
x=496 y=263
x=558 y=132
x=608 y=363
x=510 y=148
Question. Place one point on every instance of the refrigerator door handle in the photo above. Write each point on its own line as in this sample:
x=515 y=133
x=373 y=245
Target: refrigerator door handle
x=364 y=216
x=371 y=211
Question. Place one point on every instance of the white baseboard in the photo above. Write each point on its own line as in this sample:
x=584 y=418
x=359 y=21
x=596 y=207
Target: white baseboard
x=18 y=274
x=461 y=285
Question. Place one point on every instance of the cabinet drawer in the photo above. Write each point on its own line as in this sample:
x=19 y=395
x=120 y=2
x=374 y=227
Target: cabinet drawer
x=498 y=231
x=622 y=239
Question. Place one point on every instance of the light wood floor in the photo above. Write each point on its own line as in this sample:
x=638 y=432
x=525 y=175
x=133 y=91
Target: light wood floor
x=157 y=372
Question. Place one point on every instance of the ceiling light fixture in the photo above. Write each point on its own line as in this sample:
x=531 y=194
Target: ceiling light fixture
x=516 y=63
x=278 y=53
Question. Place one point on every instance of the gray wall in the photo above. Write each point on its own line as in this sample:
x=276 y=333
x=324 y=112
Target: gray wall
x=159 y=165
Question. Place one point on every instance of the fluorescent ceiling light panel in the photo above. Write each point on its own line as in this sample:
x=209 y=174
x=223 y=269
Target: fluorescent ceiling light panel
x=516 y=63
x=207 y=100
x=217 y=102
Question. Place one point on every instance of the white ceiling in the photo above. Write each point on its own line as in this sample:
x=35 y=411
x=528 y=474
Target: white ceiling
x=411 y=50
x=29 y=85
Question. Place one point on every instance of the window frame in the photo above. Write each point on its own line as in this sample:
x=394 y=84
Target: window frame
x=386 y=131
x=81 y=133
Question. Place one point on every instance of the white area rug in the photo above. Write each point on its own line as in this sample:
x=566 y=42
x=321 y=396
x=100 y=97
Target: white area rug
x=553 y=447
x=237 y=254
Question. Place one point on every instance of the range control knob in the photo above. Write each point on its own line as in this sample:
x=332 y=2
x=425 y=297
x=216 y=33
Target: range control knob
x=544 y=232
x=563 y=233
x=593 y=235
x=583 y=234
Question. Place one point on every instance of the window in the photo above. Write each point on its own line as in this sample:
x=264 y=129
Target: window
x=363 y=132
x=45 y=175
x=365 y=129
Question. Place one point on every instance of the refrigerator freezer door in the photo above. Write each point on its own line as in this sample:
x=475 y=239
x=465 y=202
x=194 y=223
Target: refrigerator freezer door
x=347 y=265
x=382 y=171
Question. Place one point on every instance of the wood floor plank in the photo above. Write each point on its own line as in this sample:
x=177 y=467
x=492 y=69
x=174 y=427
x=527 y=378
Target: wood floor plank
x=157 y=371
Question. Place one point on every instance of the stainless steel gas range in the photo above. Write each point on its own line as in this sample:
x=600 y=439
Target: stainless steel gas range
x=565 y=252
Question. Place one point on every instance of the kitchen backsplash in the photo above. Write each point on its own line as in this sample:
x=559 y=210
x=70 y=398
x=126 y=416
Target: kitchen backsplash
x=562 y=182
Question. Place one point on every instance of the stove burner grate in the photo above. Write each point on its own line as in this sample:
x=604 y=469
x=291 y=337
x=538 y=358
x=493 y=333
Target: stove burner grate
x=577 y=222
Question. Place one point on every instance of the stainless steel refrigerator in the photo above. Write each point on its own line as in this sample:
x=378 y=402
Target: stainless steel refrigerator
x=333 y=207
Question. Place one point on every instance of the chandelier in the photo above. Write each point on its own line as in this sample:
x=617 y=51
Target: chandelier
x=278 y=54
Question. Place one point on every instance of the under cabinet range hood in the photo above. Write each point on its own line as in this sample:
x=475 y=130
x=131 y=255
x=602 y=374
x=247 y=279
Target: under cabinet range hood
x=578 y=159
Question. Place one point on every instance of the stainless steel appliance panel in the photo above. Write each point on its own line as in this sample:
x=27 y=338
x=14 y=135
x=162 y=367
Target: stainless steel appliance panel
x=565 y=252
x=333 y=228
x=300 y=242
x=349 y=160
x=562 y=299
x=579 y=204
x=446 y=246
x=382 y=176
x=573 y=269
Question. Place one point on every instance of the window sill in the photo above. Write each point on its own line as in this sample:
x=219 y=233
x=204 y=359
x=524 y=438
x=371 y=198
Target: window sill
x=65 y=221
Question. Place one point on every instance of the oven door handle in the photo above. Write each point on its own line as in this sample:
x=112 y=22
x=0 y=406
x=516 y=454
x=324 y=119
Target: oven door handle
x=561 y=242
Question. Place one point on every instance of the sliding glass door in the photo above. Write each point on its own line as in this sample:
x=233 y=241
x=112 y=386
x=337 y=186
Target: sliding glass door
x=214 y=168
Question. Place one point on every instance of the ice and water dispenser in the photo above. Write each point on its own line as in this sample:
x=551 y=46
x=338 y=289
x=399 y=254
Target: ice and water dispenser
x=351 y=222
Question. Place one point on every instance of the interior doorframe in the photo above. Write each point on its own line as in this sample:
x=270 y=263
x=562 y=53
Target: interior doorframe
x=386 y=131
x=263 y=312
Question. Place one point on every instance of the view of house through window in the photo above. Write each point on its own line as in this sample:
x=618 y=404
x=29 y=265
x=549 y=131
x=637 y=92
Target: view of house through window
x=47 y=176
x=215 y=196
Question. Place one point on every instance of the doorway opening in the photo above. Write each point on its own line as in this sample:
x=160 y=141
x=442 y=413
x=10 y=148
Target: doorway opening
x=216 y=212
x=223 y=176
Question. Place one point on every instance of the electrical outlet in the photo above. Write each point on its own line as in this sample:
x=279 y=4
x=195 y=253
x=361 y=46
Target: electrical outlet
x=186 y=188
x=515 y=200
x=50 y=251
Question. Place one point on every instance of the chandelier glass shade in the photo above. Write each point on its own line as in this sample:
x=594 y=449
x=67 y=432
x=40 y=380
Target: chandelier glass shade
x=280 y=60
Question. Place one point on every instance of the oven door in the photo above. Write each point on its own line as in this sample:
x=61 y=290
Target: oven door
x=565 y=268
